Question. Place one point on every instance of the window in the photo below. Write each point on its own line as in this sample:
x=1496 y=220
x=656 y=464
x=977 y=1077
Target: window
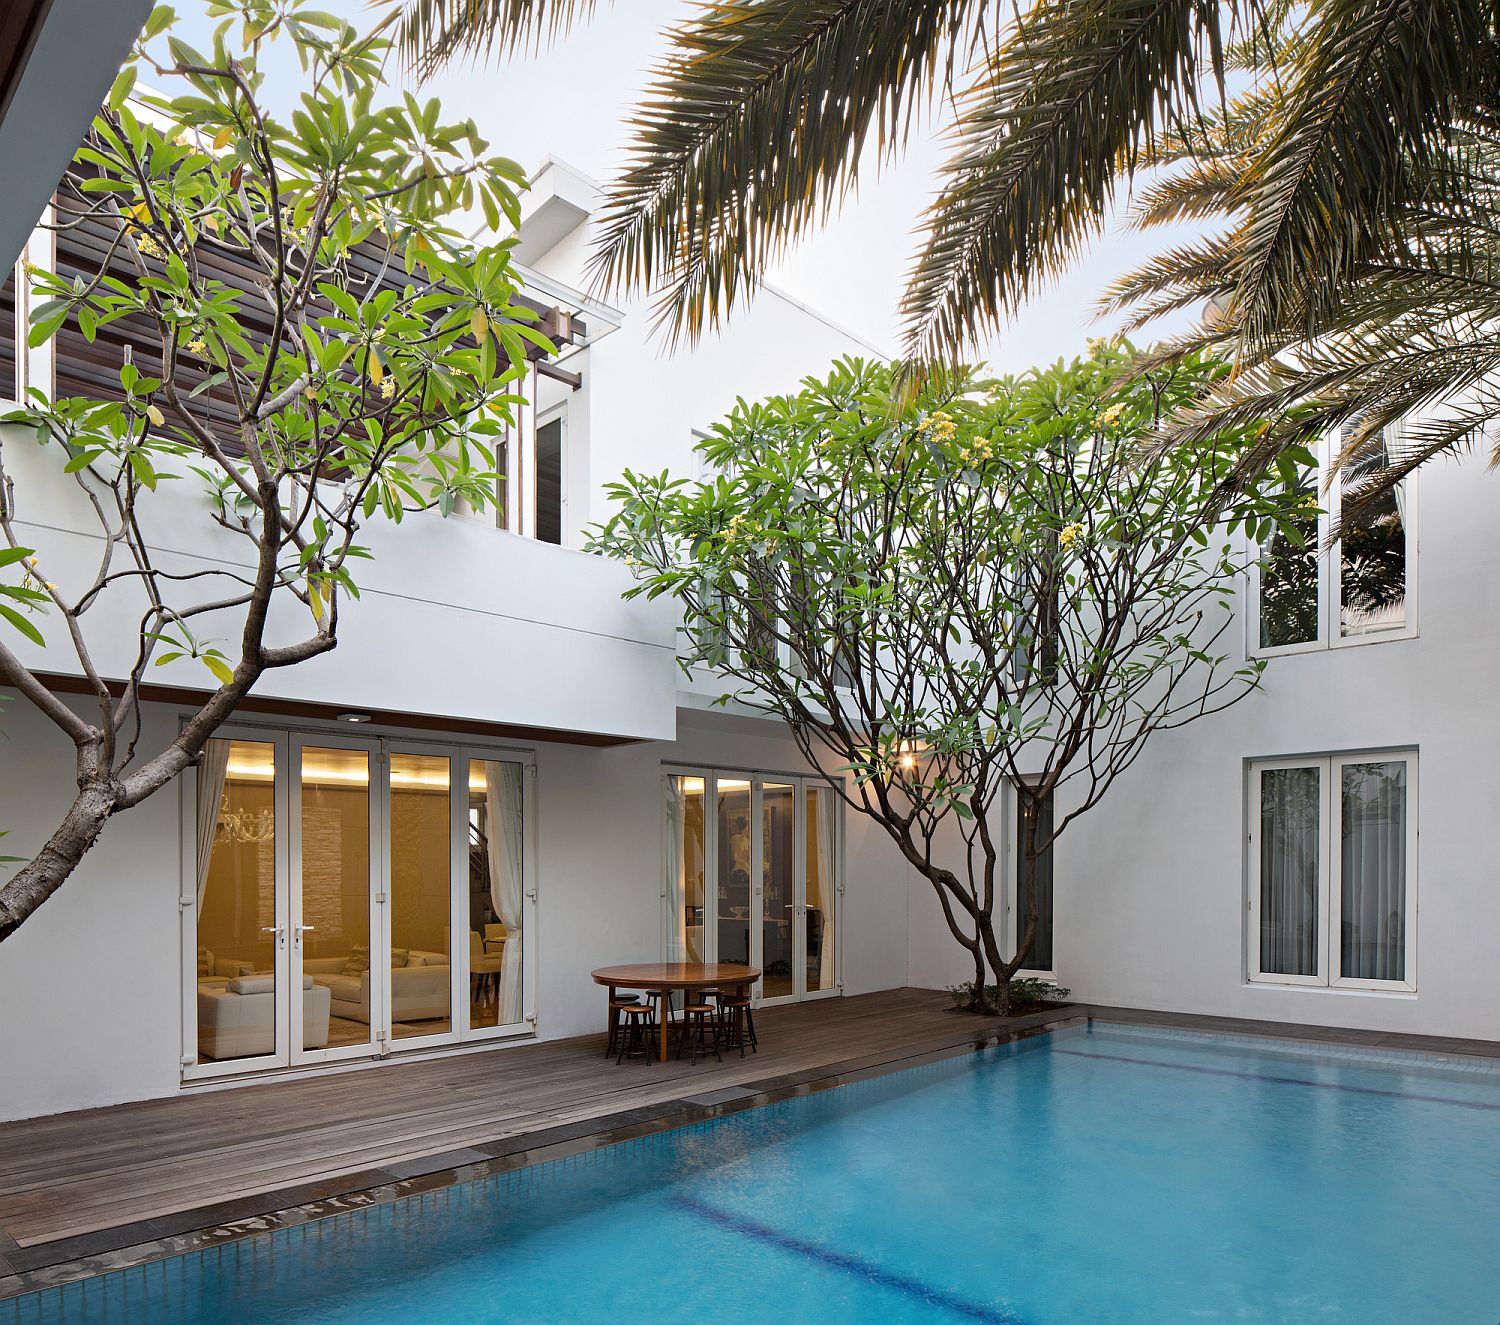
x=1359 y=592
x=1332 y=871
x=347 y=895
x=10 y=337
x=752 y=874
x=549 y=479
x=1034 y=876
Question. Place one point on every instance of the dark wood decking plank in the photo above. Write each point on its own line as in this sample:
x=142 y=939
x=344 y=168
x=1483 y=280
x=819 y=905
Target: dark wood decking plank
x=78 y=1173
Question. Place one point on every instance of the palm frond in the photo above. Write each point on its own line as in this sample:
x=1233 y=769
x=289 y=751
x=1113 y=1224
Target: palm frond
x=1044 y=132
x=753 y=129
x=1197 y=192
x=1379 y=82
x=433 y=32
x=1179 y=277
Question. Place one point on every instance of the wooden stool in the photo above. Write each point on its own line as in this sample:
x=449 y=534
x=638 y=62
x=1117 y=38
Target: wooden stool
x=700 y=1028
x=737 y=1023
x=616 y=1003
x=636 y=1038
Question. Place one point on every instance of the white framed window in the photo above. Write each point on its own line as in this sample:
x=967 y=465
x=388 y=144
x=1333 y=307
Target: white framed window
x=1333 y=871
x=1363 y=588
x=550 y=484
x=353 y=896
x=753 y=874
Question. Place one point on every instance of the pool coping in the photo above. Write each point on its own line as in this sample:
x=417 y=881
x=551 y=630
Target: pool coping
x=66 y=1260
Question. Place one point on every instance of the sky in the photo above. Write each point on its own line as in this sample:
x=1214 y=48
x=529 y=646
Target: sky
x=571 y=100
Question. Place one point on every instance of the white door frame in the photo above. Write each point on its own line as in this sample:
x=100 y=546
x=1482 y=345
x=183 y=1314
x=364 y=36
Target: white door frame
x=375 y=892
x=457 y=796
x=187 y=904
x=758 y=780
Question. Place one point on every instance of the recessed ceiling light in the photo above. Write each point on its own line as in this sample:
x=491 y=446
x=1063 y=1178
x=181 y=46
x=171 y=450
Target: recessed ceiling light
x=354 y=717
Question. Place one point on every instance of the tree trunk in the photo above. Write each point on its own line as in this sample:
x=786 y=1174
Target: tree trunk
x=43 y=875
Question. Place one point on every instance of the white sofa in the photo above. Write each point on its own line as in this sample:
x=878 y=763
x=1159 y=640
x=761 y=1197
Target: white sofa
x=419 y=990
x=237 y=1017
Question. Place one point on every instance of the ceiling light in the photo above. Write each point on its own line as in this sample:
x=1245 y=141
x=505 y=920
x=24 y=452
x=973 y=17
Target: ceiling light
x=354 y=717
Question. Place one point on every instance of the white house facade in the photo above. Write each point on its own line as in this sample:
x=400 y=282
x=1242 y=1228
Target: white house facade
x=422 y=843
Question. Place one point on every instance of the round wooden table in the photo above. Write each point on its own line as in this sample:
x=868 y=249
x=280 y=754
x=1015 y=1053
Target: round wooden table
x=665 y=978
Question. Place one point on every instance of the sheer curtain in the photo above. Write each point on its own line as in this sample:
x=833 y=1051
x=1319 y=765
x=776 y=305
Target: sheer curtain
x=827 y=841
x=506 y=825
x=1372 y=902
x=676 y=918
x=1289 y=808
x=213 y=768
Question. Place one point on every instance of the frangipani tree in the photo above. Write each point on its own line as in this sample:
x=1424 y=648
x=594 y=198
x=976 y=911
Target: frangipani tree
x=987 y=588
x=317 y=350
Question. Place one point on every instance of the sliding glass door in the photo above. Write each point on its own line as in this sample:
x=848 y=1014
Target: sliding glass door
x=752 y=874
x=348 y=897
x=233 y=908
x=332 y=926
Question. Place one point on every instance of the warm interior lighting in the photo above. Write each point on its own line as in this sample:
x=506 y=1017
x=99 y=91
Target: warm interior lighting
x=734 y=784
x=322 y=766
x=692 y=786
x=251 y=763
x=419 y=773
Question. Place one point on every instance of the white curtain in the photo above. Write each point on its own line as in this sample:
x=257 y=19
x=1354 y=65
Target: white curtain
x=213 y=767
x=676 y=917
x=827 y=847
x=1373 y=872
x=505 y=828
x=1289 y=809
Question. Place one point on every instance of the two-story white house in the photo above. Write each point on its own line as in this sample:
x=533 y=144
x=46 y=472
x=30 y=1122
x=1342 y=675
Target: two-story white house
x=423 y=842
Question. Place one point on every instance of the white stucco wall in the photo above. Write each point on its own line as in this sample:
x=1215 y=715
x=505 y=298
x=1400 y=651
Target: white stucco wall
x=1151 y=886
x=455 y=618
x=91 y=986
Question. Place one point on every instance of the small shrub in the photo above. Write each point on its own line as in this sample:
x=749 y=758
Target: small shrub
x=1020 y=995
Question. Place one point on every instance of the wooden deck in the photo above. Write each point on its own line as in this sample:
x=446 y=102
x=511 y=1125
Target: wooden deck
x=76 y=1174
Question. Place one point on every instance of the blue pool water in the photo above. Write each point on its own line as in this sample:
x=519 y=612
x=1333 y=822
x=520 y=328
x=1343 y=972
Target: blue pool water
x=1084 y=1178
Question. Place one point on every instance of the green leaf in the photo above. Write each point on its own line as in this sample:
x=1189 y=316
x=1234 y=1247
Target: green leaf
x=22 y=624
x=121 y=87
x=223 y=673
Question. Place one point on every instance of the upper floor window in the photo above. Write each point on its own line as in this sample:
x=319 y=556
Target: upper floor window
x=551 y=433
x=1359 y=590
x=533 y=461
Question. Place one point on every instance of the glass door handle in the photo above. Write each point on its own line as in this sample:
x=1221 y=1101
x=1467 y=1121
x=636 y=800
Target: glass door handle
x=273 y=929
x=300 y=930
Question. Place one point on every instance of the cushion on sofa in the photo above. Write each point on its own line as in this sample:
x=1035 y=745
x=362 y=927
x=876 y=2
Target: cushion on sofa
x=359 y=960
x=259 y=984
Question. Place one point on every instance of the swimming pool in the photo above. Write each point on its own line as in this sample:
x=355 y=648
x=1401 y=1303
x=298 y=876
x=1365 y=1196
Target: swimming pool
x=1101 y=1175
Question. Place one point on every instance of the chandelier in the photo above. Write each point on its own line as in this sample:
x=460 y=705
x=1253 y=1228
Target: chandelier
x=245 y=825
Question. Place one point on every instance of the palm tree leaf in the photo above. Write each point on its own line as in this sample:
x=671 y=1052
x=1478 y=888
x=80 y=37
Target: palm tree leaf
x=1044 y=131
x=753 y=129
x=432 y=32
x=1378 y=83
